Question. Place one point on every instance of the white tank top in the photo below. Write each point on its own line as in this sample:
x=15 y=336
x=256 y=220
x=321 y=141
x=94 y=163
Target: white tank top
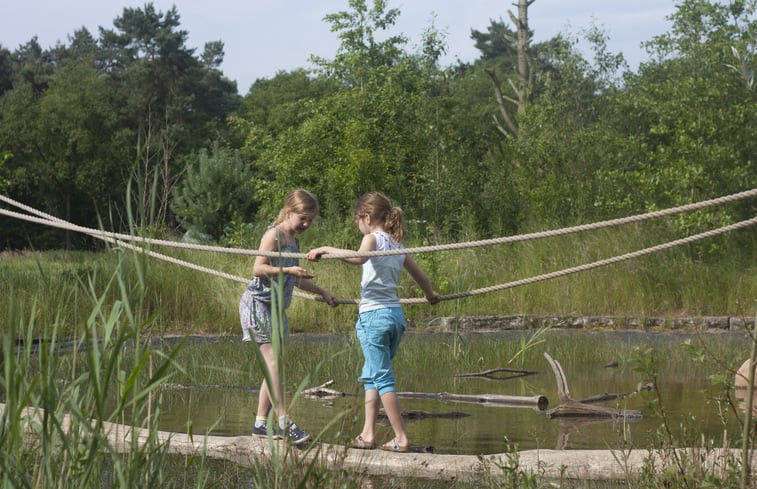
x=378 y=287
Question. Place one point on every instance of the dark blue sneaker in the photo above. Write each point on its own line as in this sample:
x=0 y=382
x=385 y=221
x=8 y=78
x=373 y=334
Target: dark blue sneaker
x=263 y=431
x=296 y=434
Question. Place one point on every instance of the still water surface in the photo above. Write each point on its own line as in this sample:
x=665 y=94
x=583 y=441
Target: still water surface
x=694 y=407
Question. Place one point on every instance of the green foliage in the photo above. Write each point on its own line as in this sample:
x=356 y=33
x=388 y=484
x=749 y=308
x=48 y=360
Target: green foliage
x=4 y=156
x=216 y=190
x=686 y=125
x=594 y=143
x=72 y=115
x=360 y=52
x=59 y=398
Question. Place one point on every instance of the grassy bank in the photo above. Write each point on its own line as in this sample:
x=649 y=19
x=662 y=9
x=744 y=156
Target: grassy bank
x=713 y=277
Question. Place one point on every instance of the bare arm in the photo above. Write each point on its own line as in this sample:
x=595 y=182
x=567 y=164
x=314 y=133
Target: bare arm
x=263 y=267
x=422 y=280
x=309 y=286
x=368 y=244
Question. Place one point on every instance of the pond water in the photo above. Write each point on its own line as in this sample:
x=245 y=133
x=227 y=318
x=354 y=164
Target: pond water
x=594 y=363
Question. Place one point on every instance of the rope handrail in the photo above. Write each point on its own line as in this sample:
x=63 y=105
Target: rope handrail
x=50 y=220
x=57 y=222
x=404 y=251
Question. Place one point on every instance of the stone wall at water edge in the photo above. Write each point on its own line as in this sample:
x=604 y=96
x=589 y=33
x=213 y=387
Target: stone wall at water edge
x=712 y=324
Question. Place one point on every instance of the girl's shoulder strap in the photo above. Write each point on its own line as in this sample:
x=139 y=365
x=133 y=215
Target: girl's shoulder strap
x=384 y=241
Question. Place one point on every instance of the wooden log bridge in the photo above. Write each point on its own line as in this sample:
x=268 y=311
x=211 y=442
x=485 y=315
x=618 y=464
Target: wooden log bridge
x=248 y=451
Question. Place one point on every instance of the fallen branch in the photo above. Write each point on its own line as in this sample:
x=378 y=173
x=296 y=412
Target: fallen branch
x=539 y=402
x=611 y=397
x=569 y=407
x=322 y=392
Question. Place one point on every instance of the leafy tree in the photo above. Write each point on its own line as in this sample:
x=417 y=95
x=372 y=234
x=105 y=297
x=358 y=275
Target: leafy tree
x=32 y=65
x=396 y=123
x=6 y=71
x=377 y=131
x=360 y=52
x=71 y=116
x=284 y=100
x=173 y=100
x=62 y=151
x=4 y=156
x=272 y=107
x=687 y=124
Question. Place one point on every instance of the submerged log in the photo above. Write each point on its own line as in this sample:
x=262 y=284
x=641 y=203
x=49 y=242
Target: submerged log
x=570 y=407
x=323 y=392
x=418 y=414
x=536 y=402
x=490 y=374
x=611 y=397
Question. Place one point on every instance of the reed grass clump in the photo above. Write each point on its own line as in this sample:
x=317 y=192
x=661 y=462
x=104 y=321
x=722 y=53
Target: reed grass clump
x=59 y=395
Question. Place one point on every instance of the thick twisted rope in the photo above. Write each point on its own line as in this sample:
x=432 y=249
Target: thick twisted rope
x=109 y=237
x=596 y=264
x=405 y=251
x=53 y=221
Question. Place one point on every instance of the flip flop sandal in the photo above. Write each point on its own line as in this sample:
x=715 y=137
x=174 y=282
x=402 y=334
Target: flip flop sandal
x=361 y=444
x=393 y=446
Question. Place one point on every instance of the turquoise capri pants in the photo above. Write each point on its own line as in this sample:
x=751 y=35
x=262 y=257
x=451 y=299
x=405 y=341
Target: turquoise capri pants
x=379 y=332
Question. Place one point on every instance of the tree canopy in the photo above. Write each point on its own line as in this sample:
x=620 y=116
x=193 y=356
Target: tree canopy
x=134 y=108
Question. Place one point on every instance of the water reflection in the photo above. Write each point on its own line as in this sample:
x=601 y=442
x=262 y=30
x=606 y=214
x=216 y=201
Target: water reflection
x=741 y=381
x=689 y=399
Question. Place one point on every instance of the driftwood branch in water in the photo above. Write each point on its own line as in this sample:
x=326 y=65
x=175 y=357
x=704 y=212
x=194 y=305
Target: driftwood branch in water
x=612 y=396
x=570 y=407
x=538 y=402
x=489 y=374
x=323 y=392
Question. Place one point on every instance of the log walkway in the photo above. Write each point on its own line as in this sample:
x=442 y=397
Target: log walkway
x=248 y=451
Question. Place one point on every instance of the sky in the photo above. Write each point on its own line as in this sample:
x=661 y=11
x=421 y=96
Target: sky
x=263 y=37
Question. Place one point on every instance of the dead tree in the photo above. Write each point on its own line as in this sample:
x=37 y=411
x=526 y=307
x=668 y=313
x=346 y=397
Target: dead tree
x=505 y=122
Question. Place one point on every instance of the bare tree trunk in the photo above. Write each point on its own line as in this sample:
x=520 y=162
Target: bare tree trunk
x=505 y=122
x=524 y=62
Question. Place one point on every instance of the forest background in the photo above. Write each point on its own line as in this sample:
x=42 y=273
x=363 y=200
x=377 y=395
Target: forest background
x=133 y=130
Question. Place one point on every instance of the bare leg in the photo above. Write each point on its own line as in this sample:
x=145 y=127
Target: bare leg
x=392 y=408
x=264 y=400
x=371 y=413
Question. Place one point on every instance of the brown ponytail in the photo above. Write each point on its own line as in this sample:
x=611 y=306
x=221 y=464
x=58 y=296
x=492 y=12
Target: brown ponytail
x=379 y=207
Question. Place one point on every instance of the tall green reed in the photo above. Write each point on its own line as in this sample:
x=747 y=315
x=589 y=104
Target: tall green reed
x=60 y=396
